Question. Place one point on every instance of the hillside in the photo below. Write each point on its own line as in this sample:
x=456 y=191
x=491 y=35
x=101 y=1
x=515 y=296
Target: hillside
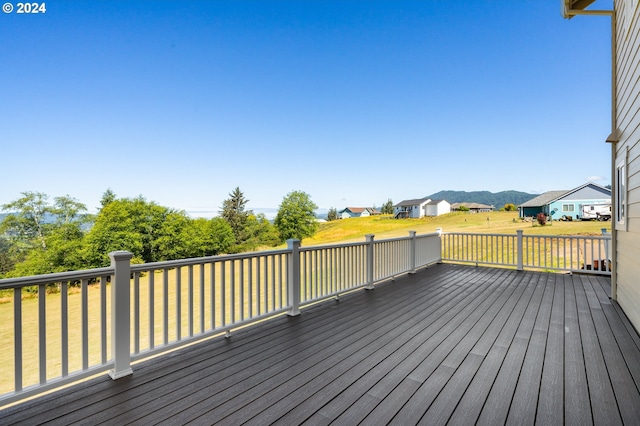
x=498 y=199
x=384 y=226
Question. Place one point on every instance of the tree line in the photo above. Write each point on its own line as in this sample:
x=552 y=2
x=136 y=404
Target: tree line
x=41 y=236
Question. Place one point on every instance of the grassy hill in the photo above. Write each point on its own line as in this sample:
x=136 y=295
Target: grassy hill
x=384 y=226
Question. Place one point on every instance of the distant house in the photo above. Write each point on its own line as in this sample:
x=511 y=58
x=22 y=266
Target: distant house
x=567 y=204
x=420 y=207
x=437 y=207
x=473 y=207
x=348 y=212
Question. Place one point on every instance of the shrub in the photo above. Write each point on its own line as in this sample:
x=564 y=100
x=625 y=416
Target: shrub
x=542 y=219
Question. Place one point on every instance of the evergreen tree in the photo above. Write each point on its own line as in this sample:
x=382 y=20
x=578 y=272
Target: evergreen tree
x=387 y=208
x=108 y=197
x=233 y=211
x=332 y=214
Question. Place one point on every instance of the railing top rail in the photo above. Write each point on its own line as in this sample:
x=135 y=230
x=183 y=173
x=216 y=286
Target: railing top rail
x=431 y=234
x=387 y=240
x=479 y=234
x=575 y=237
x=205 y=259
x=585 y=237
x=328 y=246
x=7 y=283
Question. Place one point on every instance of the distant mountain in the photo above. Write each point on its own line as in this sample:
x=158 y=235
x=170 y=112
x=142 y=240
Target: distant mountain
x=498 y=199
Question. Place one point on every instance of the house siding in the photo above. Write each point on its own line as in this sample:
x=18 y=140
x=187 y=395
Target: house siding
x=558 y=207
x=628 y=125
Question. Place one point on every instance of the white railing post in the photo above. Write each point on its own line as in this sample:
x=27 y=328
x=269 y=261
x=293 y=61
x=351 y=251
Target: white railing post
x=412 y=256
x=519 y=233
x=120 y=314
x=293 y=277
x=369 y=238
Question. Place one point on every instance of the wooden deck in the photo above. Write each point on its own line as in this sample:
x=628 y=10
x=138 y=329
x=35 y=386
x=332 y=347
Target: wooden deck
x=449 y=345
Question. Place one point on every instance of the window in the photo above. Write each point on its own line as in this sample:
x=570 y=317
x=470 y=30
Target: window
x=621 y=191
x=567 y=207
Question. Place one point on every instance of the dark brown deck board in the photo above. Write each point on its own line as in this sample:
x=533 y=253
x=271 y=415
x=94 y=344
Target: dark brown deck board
x=603 y=403
x=470 y=405
x=624 y=387
x=577 y=407
x=449 y=345
x=525 y=400
x=398 y=361
x=550 y=400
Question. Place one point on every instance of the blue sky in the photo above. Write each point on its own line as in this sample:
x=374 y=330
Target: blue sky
x=353 y=102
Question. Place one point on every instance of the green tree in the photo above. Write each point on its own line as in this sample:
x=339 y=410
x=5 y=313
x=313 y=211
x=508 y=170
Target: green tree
x=387 y=208
x=259 y=233
x=296 y=216
x=509 y=207
x=332 y=214
x=174 y=239
x=26 y=222
x=8 y=256
x=67 y=210
x=181 y=237
x=233 y=211
x=107 y=197
x=49 y=237
x=218 y=236
x=125 y=224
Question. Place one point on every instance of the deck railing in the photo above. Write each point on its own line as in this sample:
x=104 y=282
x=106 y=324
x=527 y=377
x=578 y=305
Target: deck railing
x=87 y=322
x=580 y=254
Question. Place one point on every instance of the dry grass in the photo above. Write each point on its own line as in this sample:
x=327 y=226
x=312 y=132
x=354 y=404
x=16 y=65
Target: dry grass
x=385 y=226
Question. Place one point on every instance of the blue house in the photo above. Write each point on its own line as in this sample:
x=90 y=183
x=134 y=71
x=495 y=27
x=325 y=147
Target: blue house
x=566 y=204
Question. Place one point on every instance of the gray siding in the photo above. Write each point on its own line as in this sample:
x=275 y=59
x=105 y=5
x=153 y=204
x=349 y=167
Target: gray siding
x=628 y=124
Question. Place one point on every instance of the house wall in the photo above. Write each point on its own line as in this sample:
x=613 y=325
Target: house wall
x=418 y=211
x=558 y=207
x=444 y=207
x=530 y=211
x=627 y=152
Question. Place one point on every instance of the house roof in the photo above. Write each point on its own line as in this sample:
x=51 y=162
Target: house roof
x=544 y=199
x=413 y=202
x=359 y=210
x=435 y=202
x=568 y=5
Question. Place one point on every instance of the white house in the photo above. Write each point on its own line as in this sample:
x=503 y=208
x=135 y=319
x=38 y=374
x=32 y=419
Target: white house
x=410 y=208
x=437 y=207
x=625 y=148
x=420 y=207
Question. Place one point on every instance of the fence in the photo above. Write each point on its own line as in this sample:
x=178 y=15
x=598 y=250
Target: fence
x=583 y=254
x=104 y=319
